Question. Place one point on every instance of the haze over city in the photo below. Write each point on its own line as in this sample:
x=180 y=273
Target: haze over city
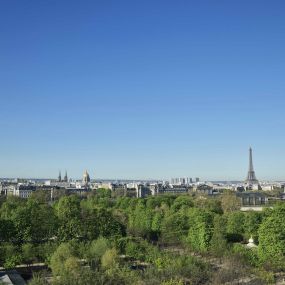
x=154 y=89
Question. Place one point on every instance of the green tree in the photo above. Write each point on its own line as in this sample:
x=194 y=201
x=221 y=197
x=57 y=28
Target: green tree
x=96 y=250
x=235 y=226
x=271 y=249
x=211 y=204
x=108 y=225
x=156 y=223
x=68 y=207
x=34 y=221
x=59 y=257
x=10 y=206
x=10 y=256
x=38 y=279
x=136 y=250
x=230 y=202
x=72 y=266
x=100 y=222
x=123 y=202
x=109 y=258
x=12 y=261
x=103 y=193
x=140 y=220
x=28 y=253
x=41 y=196
x=252 y=223
x=46 y=250
x=175 y=226
x=69 y=213
x=201 y=229
x=7 y=230
x=218 y=245
x=173 y=282
x=182 y=201
x=245 y=255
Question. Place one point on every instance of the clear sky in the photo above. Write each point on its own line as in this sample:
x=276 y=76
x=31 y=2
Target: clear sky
x=142 y=89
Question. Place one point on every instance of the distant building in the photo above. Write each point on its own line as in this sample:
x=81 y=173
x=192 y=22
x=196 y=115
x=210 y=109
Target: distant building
x=159 y=188
x=239 y=188
x=59 y=176
x=8 y=188
x=205 y=189
x=86 y=178
x=181 y=181
x=76 y=190
x=174 y=190
x=268 y=187
x=65 y=179
x=250 y=198
x=197 y=179
x=120 y=189
x=24 y=191
x=105 y=185
x=142 y=191
x=189 y=180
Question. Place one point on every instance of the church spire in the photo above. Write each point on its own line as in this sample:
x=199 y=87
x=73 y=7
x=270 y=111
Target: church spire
x=86 y=178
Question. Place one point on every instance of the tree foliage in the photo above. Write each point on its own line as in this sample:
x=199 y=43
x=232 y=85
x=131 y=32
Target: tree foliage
x=230 y=202
x=272 y=238
x=100 y=239
x=201 y=229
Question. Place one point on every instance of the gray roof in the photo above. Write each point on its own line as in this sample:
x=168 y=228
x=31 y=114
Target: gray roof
x=11 y=277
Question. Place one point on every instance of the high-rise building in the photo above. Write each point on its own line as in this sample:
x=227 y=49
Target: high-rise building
x=188 y=180
x=251 y=178
x=181 y=181
x=59 y=176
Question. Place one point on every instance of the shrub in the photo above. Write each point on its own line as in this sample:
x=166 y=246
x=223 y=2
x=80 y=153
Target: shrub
x=109 y=258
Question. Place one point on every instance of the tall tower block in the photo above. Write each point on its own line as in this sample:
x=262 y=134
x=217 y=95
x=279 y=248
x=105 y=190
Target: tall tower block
x=251 y=178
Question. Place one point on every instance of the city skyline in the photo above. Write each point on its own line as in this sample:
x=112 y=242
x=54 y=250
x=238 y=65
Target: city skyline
x=250 y=179
x=142 y=90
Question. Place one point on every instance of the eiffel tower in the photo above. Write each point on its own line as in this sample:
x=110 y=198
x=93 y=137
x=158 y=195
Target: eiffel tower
x=251 y=178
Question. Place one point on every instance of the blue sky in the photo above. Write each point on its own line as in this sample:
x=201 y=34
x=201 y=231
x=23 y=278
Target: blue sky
x=142 y=89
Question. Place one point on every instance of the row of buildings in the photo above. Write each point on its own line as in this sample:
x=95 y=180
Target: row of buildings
x=24 y=189
x=183 y=180
x=55 y=188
